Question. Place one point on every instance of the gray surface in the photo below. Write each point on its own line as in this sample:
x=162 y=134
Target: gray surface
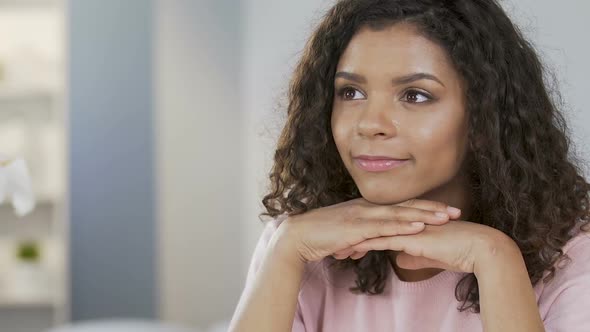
x=111 y=159
x=25 y=319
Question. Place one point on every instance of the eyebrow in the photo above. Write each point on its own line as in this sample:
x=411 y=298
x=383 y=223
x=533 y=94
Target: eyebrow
x=396 y=81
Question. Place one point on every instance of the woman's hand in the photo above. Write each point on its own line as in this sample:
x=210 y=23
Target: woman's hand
x=325 y=231
x=457 y=246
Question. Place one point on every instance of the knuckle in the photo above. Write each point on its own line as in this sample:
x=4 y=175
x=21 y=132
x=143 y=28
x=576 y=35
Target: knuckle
x=353 y=224
x=382 y=226
x=441 y=206
x=356 y=221
x=369 y=232
x=406 y=228
x=430 y=214
x=352 y=212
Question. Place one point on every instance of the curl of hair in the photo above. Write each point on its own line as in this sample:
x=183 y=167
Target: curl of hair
x=526 y=181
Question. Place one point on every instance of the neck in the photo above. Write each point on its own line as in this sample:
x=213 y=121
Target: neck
x=455 y=193
x=411 y=275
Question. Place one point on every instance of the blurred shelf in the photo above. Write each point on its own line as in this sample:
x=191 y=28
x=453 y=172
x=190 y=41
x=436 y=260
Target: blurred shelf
x=33 y=107
x=46 y=198
x=39 y=200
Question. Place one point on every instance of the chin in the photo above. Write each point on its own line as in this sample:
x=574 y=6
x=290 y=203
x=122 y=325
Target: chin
x=382 y=198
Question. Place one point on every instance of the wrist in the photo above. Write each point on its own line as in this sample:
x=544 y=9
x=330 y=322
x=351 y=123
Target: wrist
x=496 y=251
x=283 y=247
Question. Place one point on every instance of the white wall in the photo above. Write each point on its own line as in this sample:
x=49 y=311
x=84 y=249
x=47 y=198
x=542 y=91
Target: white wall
x=197 y=52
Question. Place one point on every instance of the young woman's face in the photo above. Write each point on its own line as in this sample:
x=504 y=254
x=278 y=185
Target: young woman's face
x=397 y=95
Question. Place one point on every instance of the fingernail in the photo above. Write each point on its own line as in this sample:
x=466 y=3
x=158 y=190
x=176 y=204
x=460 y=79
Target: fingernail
x=417 y=224
x=453 y=210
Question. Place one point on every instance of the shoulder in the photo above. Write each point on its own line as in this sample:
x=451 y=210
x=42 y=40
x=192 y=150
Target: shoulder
x=562 y=298
x=577 y=261
x=578 y=252
x=571 y=271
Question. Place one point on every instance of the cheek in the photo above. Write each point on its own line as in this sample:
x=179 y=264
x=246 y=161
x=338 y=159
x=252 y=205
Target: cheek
x=439 y=146
x=340 y=131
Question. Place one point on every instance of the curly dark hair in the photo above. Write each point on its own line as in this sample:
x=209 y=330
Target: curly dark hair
x=526 y=181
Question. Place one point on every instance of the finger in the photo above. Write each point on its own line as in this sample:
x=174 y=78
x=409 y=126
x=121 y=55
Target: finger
x=340 y=256
x=373 y=228
x=408 y=244
x=403 y=213
x=358 y=255
x=343 y=254
x=424 y=204
x=432 y=206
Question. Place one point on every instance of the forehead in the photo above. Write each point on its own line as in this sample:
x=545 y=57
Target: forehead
x=399 y=46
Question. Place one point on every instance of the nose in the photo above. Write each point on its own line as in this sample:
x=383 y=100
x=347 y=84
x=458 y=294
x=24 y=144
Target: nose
x=376 y=120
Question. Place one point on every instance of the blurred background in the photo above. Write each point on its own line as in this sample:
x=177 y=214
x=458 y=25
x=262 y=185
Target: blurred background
x=148 y=127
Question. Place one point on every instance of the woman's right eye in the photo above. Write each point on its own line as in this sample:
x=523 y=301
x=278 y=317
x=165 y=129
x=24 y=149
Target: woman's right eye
x=349 y=93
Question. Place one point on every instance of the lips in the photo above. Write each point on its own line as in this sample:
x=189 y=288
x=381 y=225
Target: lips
x=378 y=163
x=369 y=157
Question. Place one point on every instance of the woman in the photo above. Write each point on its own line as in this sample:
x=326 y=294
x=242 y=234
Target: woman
x=399 y=109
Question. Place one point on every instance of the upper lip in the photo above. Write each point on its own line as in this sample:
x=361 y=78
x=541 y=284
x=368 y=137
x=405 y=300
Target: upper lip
x=369 y=157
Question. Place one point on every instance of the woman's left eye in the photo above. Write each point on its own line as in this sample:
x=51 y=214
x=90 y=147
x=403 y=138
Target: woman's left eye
x=414 y=96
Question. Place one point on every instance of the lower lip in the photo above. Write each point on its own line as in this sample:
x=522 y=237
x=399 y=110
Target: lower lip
x=379 y=165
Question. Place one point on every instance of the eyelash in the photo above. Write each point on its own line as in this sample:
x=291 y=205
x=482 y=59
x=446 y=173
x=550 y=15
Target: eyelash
x=343 y=90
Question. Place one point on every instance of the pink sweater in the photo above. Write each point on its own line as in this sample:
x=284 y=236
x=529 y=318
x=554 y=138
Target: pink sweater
x=326 y=304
